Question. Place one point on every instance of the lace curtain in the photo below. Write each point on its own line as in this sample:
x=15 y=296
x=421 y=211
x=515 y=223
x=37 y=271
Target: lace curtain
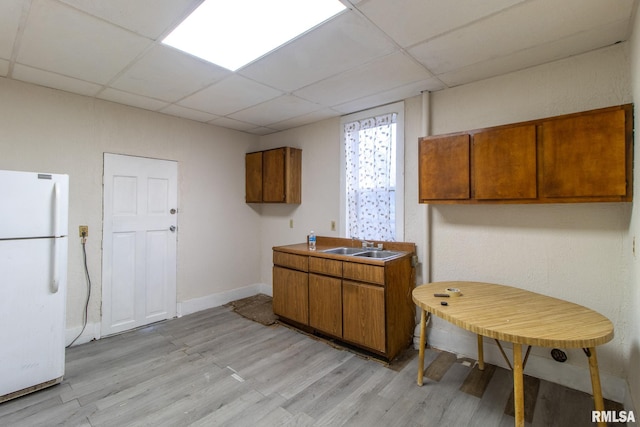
x=371 y=177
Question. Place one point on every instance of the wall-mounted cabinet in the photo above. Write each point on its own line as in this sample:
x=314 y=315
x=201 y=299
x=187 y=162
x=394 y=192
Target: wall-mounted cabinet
x=582 y=157
x=274 y=176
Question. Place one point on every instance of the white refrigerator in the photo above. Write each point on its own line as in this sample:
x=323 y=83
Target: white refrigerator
x=33 y=277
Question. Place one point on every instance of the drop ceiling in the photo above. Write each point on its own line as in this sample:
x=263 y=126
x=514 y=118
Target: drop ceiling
x=373 y=53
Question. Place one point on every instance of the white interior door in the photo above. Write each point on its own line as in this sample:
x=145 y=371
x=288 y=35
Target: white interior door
x=139 y=242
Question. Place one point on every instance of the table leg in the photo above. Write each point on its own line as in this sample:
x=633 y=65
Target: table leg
x=480 y=353
x=598 y=401
x=518 y=385
x=423 y=332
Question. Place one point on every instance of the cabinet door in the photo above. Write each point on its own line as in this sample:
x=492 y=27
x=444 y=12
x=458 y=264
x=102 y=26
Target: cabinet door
x=585 y=155
x=293 y=175
x=325 y=304
x=273 y=175
x=504 y=163
x=291 y=294
x=253 y=177
x=363 y=314
x=444 y=168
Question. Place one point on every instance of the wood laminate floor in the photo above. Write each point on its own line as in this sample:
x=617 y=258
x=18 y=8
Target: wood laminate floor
x=216 y=368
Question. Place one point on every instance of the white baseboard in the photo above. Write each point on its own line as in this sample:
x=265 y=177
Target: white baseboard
x=216 y=300
x=93 y=330
x=576 y=377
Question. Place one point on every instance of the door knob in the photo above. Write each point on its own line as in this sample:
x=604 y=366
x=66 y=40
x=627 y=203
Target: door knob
x=173 y=211
x=172 y=228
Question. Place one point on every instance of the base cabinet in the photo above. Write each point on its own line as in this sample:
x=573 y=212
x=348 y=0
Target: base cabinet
x=365 y=305
x=325 y=304
x=363 y=311
x=291 y=294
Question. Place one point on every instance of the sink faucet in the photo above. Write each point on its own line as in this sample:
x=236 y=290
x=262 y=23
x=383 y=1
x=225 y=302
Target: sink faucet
x=365 y=243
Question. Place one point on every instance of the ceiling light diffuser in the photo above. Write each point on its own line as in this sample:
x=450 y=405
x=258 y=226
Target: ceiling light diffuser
x=232 y=33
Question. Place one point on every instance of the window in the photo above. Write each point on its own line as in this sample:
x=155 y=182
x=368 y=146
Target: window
x=373 y=174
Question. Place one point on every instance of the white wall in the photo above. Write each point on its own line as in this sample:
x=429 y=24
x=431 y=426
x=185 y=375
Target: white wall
x=320 y=144
x=47 y=130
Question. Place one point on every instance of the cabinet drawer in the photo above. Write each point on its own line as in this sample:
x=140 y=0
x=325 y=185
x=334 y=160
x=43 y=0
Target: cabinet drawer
x=330 y=267
x=297 y=262
x=363 y=272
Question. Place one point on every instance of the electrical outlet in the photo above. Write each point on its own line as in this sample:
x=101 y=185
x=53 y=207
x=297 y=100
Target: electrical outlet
x=84 y=231
x=333 y=226
x=290 y=223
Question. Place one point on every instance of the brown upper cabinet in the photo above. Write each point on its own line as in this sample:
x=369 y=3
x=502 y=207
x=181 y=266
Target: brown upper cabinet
x=444 y=167
x=274 y=176
x=582 y=157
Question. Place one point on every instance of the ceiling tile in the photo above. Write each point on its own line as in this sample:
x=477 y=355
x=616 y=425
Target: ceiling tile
x=233 y=124
x=230 y=95
x=336 y=46
x=150 y=18
x=161 y=73
x=276 y=110
x=56 y=81
x=376 y=52
x=421 y=20
x=51 y=42
x=383 y=74
x=305 y=119
x=132 y=99
x=10 y=18
x=389 y=96
x=188 y=113
x=514 y=30
x=584 y=41
x=262 y=131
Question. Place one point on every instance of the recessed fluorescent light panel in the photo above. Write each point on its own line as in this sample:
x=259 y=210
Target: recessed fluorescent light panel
x=233 y=33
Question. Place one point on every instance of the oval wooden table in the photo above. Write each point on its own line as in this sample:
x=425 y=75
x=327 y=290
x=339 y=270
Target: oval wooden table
x=520 y=317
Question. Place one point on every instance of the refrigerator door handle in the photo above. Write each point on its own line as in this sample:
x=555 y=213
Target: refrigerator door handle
x=56 y=208
x=55 y=280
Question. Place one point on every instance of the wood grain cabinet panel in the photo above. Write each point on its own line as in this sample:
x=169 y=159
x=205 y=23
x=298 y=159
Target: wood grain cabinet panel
x=363 y=272
x=504 y=163
x=364 y=315
x=325 y=304
x=274 y=176
x=444 y=168
x=253 y=177
x=585 y=155
x=291 y=294
x=297 y=262
x=326 y=266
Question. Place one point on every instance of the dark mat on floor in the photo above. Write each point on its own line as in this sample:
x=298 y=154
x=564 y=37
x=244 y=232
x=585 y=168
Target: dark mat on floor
x=257 y=308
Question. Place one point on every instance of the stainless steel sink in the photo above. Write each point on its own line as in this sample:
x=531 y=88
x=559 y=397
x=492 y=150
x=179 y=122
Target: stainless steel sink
x=378 y=254
x=344 y=251
x=362 y=252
